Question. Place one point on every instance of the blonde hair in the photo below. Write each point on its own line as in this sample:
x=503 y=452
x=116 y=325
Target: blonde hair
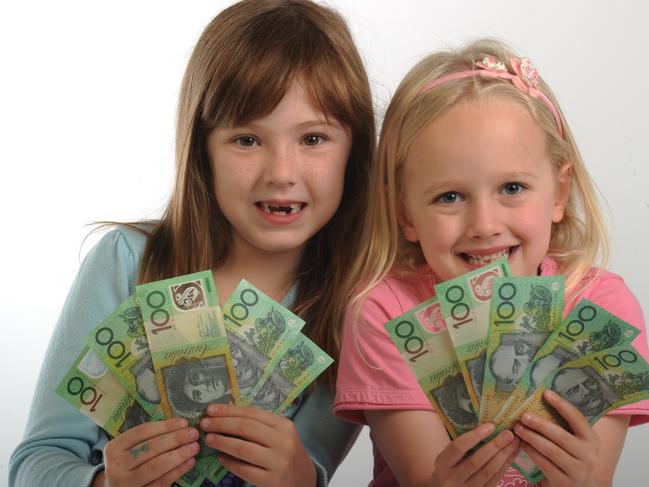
x=578 y=242
x=244 y=62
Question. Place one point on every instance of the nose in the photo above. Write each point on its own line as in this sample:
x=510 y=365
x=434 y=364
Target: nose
x=484 y=219
x=281 y=166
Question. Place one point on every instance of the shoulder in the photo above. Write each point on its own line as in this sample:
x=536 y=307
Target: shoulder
x=610 y=291
x=393 y=296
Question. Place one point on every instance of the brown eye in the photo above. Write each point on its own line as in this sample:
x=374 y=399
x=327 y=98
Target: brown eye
x=246 y=141
x=313 y=139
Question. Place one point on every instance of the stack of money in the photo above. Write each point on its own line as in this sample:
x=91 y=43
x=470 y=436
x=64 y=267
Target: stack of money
x=487 y=346
x=169 y=350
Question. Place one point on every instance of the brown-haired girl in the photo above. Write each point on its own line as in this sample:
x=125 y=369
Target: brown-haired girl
x=274 y=146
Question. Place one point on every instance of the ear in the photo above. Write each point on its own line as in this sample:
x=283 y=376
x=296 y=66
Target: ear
x=563 y=190
x=409 y=231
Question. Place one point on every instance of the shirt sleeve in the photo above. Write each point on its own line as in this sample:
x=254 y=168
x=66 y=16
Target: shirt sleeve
x=371 y=372
x=612 y=294
x=326 y=438
x=61 y=446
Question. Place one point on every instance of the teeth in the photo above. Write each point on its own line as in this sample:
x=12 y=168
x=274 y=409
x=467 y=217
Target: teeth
x=289 y=209
x=486 y=259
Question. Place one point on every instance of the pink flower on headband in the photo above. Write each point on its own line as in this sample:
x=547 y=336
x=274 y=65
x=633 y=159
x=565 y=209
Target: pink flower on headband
x=527 y=76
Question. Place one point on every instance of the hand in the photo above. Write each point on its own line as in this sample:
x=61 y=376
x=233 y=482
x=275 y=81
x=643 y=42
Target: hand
x=259 y=447
x=566 y=459
x=483 y=467
x=151 y=454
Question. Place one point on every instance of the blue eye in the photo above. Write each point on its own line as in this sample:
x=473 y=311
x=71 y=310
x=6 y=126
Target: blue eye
x=449 y=198
x=246 y=141
x=313 y=139
x=513 y=189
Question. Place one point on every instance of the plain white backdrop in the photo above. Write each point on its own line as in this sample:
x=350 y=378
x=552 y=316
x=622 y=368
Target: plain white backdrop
x=88 y=93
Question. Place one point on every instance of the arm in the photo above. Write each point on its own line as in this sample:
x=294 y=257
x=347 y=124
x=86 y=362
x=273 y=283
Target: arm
x=409 y=441
x=611 y=429
x=62 y=446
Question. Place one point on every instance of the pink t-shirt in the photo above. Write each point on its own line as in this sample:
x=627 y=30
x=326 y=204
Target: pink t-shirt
x=373 y=375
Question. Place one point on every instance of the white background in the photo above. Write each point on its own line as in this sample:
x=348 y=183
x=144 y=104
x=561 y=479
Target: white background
x=88 y=93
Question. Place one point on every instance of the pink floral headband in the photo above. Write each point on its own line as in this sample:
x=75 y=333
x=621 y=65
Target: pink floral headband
x=525 y=78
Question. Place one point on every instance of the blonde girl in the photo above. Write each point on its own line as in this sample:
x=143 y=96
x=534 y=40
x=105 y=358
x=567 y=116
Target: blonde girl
x=476 y=163
x=274 y=147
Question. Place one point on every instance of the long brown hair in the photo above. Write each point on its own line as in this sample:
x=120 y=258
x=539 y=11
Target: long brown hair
x=241 y=67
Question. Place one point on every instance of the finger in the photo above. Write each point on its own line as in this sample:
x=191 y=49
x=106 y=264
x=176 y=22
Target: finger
x=553 y=474
x=478 y=467
x=247 y=451
x=578 y=423
x=454 y=453
x=506 y=465
x=252 y=474
x=223 y=410
x=241 y=427
x=174 y=474
x=561 y=458
x=164 y=463
x=553 y=432
x=146 y=431
x=149 y=449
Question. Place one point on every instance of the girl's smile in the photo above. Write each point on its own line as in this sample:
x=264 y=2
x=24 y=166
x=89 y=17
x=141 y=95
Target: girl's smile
x=480 y=186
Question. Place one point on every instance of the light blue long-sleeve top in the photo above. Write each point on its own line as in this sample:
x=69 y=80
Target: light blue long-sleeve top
x=61 y=446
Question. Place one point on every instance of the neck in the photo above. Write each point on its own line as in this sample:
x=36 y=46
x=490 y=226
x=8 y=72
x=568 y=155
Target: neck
x=271 y=272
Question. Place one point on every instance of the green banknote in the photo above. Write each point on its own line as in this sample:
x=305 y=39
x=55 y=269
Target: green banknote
x=298 y=367
x=259 y=331
x=120 y=342
x=465 y=304
x=523 y=313
x=190 y=353
x=588 y=328
x=595 y=384
x=92 y=389
x=423 y=341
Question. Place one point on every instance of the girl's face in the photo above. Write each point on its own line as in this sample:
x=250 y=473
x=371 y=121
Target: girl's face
x=480 y=186
x=279 y=179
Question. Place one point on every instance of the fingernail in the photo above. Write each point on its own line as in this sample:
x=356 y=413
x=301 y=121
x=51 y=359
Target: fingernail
x=181 y=423
x=213 y=409
x=487 y=428
x=527 y=418
x=519 y=429
x=194 y=447
x=205 y=423
x=192 y=434
x=504 y=438
x=550 y=394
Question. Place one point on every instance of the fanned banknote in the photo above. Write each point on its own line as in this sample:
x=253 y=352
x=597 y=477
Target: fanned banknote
x=588 y=328
x=120 y=342
x=523 y=313
x=595 y=384
x=190 y=352
x=92 y=389
x=465 y=304
x=259 y=331
x=298 y=367
x=423 y=341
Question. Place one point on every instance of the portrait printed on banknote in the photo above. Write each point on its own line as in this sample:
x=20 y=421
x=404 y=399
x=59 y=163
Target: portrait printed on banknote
x=193 y=384
x=453 y=398
x=512 y=356
x=585 y=389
